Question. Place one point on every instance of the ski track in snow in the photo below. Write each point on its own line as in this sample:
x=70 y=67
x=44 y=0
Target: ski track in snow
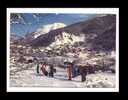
x=29 y=78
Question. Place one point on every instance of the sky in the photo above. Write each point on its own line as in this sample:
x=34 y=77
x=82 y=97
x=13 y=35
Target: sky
x=31 y=23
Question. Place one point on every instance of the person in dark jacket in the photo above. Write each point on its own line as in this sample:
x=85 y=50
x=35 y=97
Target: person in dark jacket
x=83 y=73
x=74 y=70
x=38 y=68
x=65 y=64
x=51 y=73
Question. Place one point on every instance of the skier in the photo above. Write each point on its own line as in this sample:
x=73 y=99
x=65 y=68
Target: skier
x=65 y=64
x=47 y=67
x=83 y=73
x=51 y=73
x=69 y=71
x=37 y=69
x=74 y=70
x=43 y=68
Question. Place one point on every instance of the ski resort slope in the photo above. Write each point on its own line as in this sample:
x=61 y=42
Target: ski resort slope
x=29 y=78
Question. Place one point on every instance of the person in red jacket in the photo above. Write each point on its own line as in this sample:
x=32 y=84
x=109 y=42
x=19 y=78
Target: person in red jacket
x=69 y=71
x=43 y=69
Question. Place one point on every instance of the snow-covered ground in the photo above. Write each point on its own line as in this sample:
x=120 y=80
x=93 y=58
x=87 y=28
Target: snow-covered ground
x=29 y=78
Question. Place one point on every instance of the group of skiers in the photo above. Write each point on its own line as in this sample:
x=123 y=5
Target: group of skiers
x=47 y=69
x=72 y=70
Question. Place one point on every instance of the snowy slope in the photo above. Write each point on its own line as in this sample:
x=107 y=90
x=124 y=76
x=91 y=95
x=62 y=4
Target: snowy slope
x=29 y=78
x=66 y=38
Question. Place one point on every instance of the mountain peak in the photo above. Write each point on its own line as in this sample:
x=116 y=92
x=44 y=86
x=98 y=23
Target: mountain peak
x=47 y=28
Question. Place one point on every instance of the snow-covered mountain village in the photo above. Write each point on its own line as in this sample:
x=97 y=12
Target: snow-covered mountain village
x=57 y=55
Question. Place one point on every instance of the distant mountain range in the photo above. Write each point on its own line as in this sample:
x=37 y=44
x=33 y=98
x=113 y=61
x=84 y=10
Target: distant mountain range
x=98 y=33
